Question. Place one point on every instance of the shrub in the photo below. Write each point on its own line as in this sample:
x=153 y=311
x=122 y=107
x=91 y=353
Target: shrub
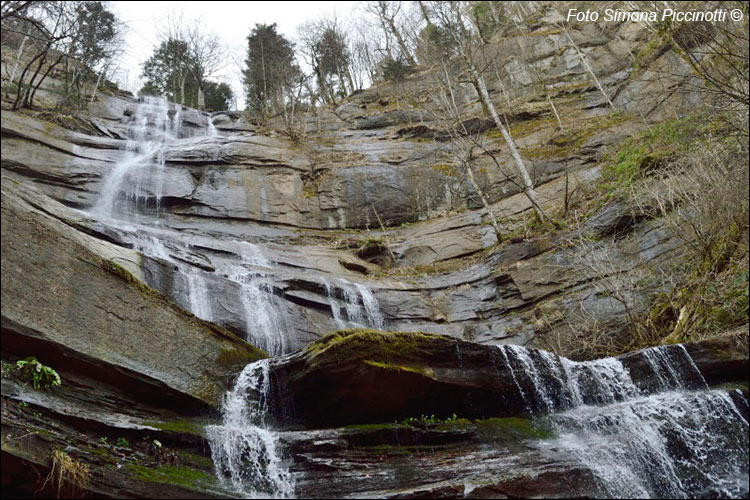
x=40 y=376
x=395 y=70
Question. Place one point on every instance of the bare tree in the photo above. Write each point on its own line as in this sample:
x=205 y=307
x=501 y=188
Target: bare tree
x=197 y=54
x=387 y=14
x=470 y=50
x=463 y=142
x=52 y=28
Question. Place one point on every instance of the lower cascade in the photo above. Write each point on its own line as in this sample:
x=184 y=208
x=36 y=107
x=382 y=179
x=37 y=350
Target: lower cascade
x=677 y=438
x=669 y=445
x=244 y=450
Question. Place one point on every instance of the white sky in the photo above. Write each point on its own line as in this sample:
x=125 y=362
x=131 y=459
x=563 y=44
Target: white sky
x=232 y=21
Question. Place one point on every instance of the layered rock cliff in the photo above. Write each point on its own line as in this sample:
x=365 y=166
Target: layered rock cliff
x=240 y=242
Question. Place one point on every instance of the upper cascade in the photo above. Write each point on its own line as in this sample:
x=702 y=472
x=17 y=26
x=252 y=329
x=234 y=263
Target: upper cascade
x=137 y=178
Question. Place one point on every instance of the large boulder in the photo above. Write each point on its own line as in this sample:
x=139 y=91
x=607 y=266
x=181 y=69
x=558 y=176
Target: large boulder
x=360 y=376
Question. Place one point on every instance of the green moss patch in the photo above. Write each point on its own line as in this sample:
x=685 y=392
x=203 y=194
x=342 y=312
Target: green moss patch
x=648 y=151
x=511 y=429
x=196 y=461
x=373 y=427
x=179 y=426
x=171 y=474
x=372 y=344
x=398 y=368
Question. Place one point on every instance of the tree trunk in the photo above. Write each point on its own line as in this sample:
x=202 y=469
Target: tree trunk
x=30 y=85
x=201 y=98
x=19 y=90
x=46 y=73
x=528 y=185
x=96 y=87
x=478 y=80
x=485 y=202
x=425 y=15
x=18 y=59
x=554 y=110
x=588 y=68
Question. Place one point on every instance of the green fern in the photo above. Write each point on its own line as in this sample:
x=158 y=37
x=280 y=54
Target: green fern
x=40 y=376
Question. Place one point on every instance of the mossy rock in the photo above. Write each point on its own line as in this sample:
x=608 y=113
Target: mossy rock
x=186 y=477
x=358 y=343
x=179 y=426
x=511 y=429
x=364 y=376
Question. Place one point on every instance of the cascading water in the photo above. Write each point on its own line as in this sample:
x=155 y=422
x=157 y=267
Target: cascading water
x=141 y=168
x=212 y=130
x=245 y=451
x=669 y=445
x=360 y=305
x=263 y=325
x=677 y=443
x=200 y=305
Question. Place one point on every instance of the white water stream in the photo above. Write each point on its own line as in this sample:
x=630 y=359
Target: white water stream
x=678 y=443
x=245 y=451
x=264 y=326
x=139 y=175
x=361 y=308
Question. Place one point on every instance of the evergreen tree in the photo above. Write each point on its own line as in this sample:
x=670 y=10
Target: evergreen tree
x=219 y=96
x=270 y=70
x=169 y=72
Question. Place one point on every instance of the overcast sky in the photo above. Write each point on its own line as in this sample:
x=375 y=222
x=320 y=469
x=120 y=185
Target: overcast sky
x=232 y=21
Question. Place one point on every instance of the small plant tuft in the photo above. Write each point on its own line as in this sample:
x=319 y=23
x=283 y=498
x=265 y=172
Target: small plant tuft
x=68 y=473
x=40 y=376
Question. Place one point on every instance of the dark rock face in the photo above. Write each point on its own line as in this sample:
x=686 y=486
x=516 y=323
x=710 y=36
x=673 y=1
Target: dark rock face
x=398 y=461
x=364 y=376
x=615 y=218
x=391 y=375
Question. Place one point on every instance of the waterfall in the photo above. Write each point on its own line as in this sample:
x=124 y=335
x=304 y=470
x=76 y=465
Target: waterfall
x=361 y=306
x=244 y=450
x=669 y=445
x=679 y=442
x=141 y=167
x=200 y=305
x=212 y=131
x=263 y=325
x=550 y=383
x=372 y=308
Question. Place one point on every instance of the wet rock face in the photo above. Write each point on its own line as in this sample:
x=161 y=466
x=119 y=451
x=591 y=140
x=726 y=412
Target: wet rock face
x=467 y=460
x=374 y=163
x=66 y=293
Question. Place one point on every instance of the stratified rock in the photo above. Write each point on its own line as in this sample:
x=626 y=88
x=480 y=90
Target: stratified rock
x=617 y=217
x=363 y=376
x=57 y=291
x=721 y=359
x=360 y=376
